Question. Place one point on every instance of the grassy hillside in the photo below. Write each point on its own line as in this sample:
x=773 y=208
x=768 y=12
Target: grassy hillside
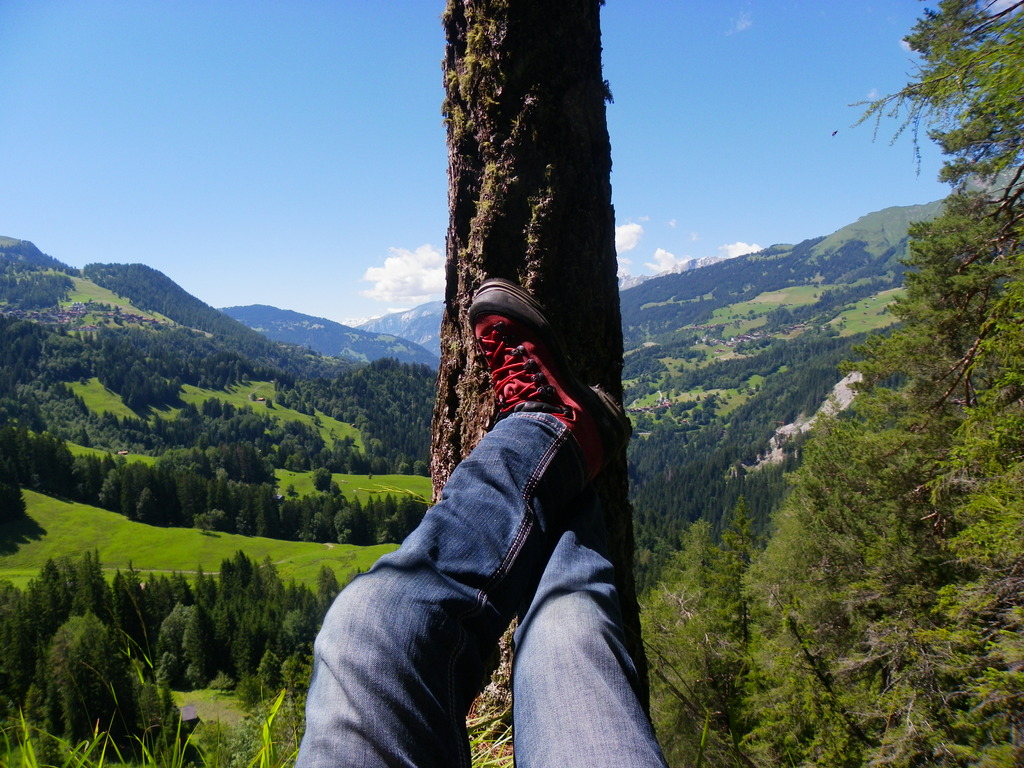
x=101 y=400
x=879 y=231
x=360 y=487
x=86 y=290
x=740 y=330
x=81 y=450
x=331 y=430
x=56 y=529
x=867 y=316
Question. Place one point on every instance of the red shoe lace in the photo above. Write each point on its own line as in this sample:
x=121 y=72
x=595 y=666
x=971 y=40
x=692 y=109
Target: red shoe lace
x=516 y=377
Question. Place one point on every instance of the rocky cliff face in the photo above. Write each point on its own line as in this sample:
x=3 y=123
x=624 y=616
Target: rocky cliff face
x=843 y=394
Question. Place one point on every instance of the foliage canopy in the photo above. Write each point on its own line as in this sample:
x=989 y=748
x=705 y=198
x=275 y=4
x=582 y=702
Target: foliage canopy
x=887 y=610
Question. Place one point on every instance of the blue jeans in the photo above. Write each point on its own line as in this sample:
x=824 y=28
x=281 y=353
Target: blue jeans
x=402 y=651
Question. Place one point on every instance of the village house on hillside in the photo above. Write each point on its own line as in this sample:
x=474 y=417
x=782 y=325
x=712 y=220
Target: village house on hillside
x=73 y=316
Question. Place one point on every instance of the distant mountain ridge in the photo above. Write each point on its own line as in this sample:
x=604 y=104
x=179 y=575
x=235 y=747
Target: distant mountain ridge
x=101 y=297
x=421 y=325
x=632 y=281
x=152 y=290
x=26 y=252
x=859 y=259
x=328 y=337
x=868 y=252
x=258 y=327
x=862 y=257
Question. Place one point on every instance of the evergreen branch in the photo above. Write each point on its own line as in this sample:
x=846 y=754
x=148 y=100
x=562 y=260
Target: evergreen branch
x=825 y=679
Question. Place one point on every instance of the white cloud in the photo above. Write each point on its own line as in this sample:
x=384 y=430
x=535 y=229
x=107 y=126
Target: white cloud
x=743 y=23
x=624 y=266
x=732 y=250
x=672 y=223
x=665 y=261
x=409 y=277
x=627 y=237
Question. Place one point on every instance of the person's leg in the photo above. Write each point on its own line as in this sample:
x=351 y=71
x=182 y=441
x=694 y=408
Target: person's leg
x=400 y=655
x=401 y=652
x=574 y=684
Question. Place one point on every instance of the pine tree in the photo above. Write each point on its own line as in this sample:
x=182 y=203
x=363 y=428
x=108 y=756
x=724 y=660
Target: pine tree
x=698 y=626
x=12 y=504
x=889 y=608
x=88 y=680
x=170 y=656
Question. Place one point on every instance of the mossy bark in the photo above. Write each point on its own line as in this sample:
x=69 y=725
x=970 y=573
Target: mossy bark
x=530 y=200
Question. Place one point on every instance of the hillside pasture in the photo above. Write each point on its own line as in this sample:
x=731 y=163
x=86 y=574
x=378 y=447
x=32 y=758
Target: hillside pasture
x=212 y=706
x=747 y=315
x=56 y=529
x=331 y=430
x=99 y=399
x=86 y=291
x=361 y=487
x=81 y=450
x=869 y=315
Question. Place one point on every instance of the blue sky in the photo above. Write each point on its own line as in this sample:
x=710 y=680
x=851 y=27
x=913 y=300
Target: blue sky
x=292 y=153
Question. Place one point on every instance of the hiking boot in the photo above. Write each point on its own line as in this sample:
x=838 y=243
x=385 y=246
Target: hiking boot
x=530 y=372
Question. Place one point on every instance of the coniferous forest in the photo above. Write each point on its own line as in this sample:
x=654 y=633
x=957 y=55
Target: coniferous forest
x=86 y=649
x=879 y=620
x=819 y=587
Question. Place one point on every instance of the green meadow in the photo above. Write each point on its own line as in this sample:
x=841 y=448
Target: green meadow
x=86 y=291
x=870 y=314
x=248 y=396
x=747 y=315
x=81 y=450
x=99 y=399
x=212 y=705
x=361 y=487
x=57 y=529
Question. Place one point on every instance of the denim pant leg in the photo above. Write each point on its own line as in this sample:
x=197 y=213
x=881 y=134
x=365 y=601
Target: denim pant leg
x=401 y=652
x=574 y=683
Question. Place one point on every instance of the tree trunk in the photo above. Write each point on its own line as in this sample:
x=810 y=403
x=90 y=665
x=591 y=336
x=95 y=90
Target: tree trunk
x=530 y=200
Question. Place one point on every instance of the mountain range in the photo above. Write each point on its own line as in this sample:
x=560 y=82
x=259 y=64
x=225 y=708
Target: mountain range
x=24 y=252
x=716 y=358
x=421 y=325
x=632 y=281
x=328 y=337
x=857 y=261
x=35 y=282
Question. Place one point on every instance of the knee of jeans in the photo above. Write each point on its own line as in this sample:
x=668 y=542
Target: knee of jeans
x=564 y=624
x=362 y=615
